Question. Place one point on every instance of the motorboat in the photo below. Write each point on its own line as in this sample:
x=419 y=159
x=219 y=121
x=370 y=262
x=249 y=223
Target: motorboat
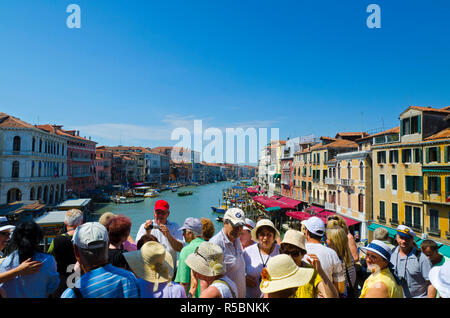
x=151 y=194
x=184 y=193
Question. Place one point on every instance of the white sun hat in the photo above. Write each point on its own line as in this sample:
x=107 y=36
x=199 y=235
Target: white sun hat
x=261 y=223
x=207 y=260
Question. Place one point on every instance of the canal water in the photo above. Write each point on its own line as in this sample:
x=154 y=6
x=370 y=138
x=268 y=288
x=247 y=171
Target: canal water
x=181 y=207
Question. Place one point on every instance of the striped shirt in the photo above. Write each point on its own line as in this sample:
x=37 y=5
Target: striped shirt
x=106 y=282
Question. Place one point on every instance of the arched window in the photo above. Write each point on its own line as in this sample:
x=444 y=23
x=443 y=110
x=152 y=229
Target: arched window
x=360 y=202
x=339 y=170
x=32 y=194
x=361 y=171
x=15 y=169
x=349 y=201
x=349 y=170
x=14 y=195
x=16 y=143
x=39 y=193
x=40 y=145
x=33 y=144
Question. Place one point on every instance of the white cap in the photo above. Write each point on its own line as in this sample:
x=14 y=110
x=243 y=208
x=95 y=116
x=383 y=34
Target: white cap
x=4 y=224
x=249 y=225
x=90 y=235
x=236 y=216
x=315 y=225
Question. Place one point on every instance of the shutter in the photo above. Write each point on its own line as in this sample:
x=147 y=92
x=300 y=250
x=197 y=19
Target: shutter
x=446 y=154
x=419 y=122
x=409 y=184
x=420 y=184
x=428 y=154
x=401 y=127
x=438 y=150
x=438 y=185
x=428 y=185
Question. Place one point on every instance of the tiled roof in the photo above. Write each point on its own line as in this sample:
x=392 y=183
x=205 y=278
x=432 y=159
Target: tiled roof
x=444 y=110
x=57 y=130
x=9 y=121
x=395 y=130
x=339 y=143
x=348 y=134
x=443 y=134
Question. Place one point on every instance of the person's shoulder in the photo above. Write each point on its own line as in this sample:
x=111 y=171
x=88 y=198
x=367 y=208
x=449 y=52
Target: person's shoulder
x=68 y=293
x=120 y=272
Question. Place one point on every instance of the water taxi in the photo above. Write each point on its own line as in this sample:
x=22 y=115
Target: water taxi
x=183 y=193
x=151 y=194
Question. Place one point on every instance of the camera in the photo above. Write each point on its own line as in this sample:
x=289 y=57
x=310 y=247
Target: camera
x=152 y=226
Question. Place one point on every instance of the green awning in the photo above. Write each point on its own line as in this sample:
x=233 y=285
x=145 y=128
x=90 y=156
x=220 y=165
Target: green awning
x=273 y=209
x=436 y=170
x=392 y=232
x=445 y=250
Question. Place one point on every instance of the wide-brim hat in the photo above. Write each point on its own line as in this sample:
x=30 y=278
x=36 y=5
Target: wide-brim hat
x=151 y=263
x=261 y=223
x=440 y=279
x=207 y=260
x=295 y=238
x=4 y=224
x=282 y=273
x=379 y=248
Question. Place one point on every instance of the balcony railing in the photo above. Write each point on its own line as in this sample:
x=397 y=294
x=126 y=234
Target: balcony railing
x=346 y=182
x=330 y=181
x=434 y=232
x=330 y=206
x=436 y=197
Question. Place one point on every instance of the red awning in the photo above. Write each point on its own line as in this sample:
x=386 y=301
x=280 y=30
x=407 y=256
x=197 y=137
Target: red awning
x=299 y=215
x=270 y=203
x=324 y=214
x=315 y=209
x=290 y=201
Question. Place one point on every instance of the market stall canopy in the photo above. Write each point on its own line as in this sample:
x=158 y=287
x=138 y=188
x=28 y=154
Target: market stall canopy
x=299 y=215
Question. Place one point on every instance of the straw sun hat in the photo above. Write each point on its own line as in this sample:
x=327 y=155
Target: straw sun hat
x=295 y=238
x=207 y=260
x=151 y=263
x=282 y=273
x=261 y=223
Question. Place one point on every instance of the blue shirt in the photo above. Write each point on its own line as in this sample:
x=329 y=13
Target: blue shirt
x=106 y=282
x=165 y=290
x=37 y=285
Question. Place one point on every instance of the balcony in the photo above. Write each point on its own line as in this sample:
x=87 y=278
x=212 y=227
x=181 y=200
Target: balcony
x=381 y=219
x=317 y=201
x=436 y=198
x=330 y=206
x=330 y=181
x=346 y=182
x=394 y=222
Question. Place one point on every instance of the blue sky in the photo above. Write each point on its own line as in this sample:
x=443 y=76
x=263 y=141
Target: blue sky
x=138 y=69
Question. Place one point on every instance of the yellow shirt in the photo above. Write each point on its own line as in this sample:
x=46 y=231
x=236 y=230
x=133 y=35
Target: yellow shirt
x=386 y=277
x=309 y=290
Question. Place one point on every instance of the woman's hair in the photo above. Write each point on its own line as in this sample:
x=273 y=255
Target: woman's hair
x=287 y=248
x=337 y=221
x=144 y=239
x=118 y=227
x=339 y=243
x=105 y=217
x=208 y=228
x=271 y=229
x=26 y=238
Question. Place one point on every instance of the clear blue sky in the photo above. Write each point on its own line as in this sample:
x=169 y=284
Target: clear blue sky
x=137 y=69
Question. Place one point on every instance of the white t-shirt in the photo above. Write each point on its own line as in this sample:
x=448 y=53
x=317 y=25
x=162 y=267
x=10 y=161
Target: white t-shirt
x=254 y=264
x=233 y=260
x=174 y=231
x=223 y=288
x=329 y=260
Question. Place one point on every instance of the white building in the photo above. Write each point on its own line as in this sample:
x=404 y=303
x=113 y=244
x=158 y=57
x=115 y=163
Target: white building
x=33 y=163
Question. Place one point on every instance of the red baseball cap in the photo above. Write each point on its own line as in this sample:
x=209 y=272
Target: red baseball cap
x=161 y=205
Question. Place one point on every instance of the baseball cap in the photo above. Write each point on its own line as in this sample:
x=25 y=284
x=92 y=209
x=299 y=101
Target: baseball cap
x=5 y=225
x=405 y=231
x=193 y=224
x=249 y=224
x=236 y=216
x=90 y=235
x=315 y=225
x=161 y=205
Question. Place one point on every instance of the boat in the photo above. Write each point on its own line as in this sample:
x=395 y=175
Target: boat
x=218 y=210
x=151 y=194
x=184 y=193
x=123 y=200
x=219 y=219
x=174 y=189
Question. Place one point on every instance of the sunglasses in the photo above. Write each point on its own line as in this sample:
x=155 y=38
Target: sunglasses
x=6 y=234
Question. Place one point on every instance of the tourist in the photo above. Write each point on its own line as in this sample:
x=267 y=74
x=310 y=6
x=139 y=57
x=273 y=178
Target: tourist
x=144 y=239
x=154 y=267
x=257 y=255
x=381 y=283
x=118 y=228
x=430 y=249
x=208 y=229
x=228 y=240
x=337 y=220
x=382 y=234
x=293 y=244
x=129 y=244
x=329 y=260
x=192 y=233
x=207 y=265
x=411 y=266
x=440 y=279
x=25 y=243
x=282 y=277
x=338 y=241
x=165 y=231
x=246 y=234
x=62 y=249
x=101 y=279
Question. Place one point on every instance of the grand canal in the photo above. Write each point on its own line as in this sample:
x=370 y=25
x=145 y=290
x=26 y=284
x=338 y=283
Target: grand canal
x=181 y=207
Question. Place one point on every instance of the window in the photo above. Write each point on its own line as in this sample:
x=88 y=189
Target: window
x=394 y=182
x=434 y=220
x=415 y=125
x=417 y=223
x=406 y=126
x=380 y=140
x=393 y=156
x=394 y=213
x=382 y=211
x=406 y=156
x=417 y=155
x=33 y=144
x=349 y=203
x=15 y=169
x=382 y=185
x=16 y=143
x=381 y=157
x=433 y=154
x=361 y=171
x=349 y=170
x=434 y=185
x=447 y=154
x=410 y=125
x=318 y=158
x=413 y=183
x=393 y=138
x=324 y=174
x=447 y=188
x=408 y=215
x=360 y=202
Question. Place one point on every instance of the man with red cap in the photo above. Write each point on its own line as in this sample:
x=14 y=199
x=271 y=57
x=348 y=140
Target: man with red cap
x=165 y=231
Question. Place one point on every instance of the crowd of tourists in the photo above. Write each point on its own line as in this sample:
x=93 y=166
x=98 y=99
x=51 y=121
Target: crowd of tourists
x=243 y=260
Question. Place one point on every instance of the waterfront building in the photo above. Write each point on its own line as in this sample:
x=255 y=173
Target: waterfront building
x=275 y=152
x=80 y=159
x=118 y=174
x=33 y=162
x=410 y=174
x=103 y=165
